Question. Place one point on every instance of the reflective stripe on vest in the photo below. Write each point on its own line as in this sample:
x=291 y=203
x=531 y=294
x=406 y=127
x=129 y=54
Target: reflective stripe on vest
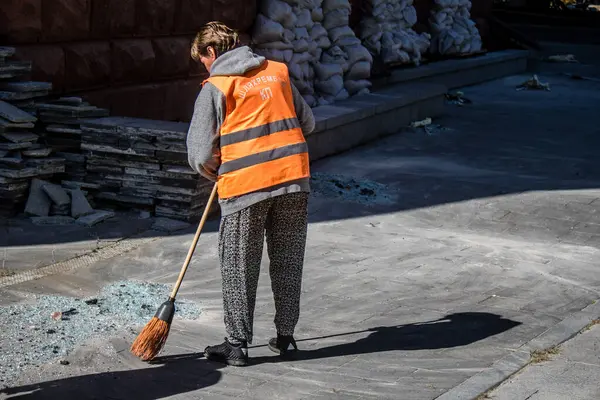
x=261 y=142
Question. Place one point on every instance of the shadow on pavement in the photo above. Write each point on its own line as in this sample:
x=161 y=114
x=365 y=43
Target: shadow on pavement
x=453 y=330
x=506 y=142
x=189 y=372
x=175 y=375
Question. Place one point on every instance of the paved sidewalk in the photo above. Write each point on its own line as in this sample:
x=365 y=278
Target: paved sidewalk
x=492 y=239
x=571 y=372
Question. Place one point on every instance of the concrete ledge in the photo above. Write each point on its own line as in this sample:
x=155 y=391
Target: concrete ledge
x=364 y=118
x=461 y=72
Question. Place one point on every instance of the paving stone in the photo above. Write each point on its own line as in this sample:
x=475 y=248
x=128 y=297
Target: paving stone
x=11 y=162
x=57 y=194
x=14 y=114
x=79 y=185
x=40 y=152
x=53 y=220
x=15 y=146
x=20 y=137
x=6 y=124
x=63 y=129
x=79 y=204
x=38 y=203
x=169 y=225
x=95 y=218
x=20 y=96
x=19 y=173
x=13 y=69
x=30 y=86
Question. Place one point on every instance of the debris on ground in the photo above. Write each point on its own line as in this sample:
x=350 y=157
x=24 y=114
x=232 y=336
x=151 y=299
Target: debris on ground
x=534 y=84
x=457 y=98
x=361 y=191
x=564 y=58
x=50 y=327
x=418 y=124
x=52 y=204
x=428 y=127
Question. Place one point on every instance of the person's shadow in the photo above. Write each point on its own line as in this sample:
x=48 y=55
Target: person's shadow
x=167 y=376
x=453 y=330
x=190 y=372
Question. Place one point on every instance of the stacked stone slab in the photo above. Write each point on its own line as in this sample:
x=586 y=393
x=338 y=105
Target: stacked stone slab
x=142 y=164
x=22 y=158
x=60 y=125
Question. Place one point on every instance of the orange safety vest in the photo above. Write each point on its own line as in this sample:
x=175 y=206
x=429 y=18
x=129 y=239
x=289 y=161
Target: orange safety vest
x=261 y=142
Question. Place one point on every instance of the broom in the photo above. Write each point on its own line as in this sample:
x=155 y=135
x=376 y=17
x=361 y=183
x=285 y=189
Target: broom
x=152 y=338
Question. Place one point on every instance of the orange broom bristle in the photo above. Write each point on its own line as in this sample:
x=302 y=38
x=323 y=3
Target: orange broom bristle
x=151 y=339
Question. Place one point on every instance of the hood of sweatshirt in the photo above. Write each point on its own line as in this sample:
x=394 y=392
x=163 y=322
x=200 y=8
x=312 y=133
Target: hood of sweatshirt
x=236 y=62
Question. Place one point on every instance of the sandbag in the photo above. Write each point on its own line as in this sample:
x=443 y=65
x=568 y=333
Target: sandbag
x=288 y=35
x=358 y=71
x=336 y=19
x=304 y=18
x=278 y=11
x=325 y=71
x=317 y=31
x=336 y=34
x=357 y=53
x=277 y=45
x=266 y=30
x=299 y=58
x=300 y=46
x=329 y=5
x=342 y=95
x=330 y=87
x=355 y=86
x=301 y=33
x=317 y=14
x=348 y=41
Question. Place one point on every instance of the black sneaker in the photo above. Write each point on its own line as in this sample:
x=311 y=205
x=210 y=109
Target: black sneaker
x=230 y=354
x=281 y=345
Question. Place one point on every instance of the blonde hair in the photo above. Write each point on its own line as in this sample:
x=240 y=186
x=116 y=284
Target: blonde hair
x=217 y=35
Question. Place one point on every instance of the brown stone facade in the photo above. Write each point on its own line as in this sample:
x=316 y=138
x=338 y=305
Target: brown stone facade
x=131 y=56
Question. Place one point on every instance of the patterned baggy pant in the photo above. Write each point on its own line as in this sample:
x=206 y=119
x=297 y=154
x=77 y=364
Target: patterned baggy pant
x=241 y=236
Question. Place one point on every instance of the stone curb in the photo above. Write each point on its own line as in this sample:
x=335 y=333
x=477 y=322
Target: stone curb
x=506 y=367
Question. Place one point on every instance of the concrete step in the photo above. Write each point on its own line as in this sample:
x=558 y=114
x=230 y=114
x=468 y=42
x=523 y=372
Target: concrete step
x=457 y=73
x=365 y=118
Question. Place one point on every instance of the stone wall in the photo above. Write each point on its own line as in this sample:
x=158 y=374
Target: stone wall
x=130 y=56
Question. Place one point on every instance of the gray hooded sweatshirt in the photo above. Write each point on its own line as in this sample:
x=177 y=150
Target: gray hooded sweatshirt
x=210 y=112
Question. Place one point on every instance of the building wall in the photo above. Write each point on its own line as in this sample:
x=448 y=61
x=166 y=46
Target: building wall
x=131 y=56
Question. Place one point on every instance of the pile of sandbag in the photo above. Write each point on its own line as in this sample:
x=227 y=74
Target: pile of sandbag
x=285 y=31
x=386 y=30
x=327 y=62
x=345 y=67
x=452 y=28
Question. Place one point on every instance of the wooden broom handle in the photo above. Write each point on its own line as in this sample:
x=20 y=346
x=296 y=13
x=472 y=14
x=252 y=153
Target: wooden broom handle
x=186 y=263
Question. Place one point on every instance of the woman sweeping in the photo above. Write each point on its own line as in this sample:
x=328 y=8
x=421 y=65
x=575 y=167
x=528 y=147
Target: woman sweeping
x=247 y=134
